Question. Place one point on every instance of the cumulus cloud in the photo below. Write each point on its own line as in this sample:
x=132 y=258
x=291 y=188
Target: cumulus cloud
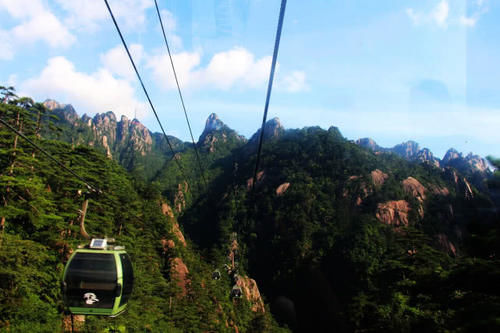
x=96 y=92
x=7 y=52
x=46 y=27
x=236 y=67
x=89 y=14
x=438 y=15
x=294 y=82
x=170 y=25
x=117 y=61
x=35 y=22
x=478 y=9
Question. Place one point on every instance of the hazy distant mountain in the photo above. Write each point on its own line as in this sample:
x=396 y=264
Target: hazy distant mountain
x=469 y=165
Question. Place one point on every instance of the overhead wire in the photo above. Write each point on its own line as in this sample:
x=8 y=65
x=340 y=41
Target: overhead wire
x=202 y=173
x=43 y=151
x=269 y=87
x=144 y=89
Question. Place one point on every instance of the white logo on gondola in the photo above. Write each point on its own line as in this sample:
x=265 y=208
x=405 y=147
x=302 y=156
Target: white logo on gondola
x=90 y=298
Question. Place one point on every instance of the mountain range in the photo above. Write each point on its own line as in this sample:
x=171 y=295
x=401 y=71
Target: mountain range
x=132 y=144
x=338 y=235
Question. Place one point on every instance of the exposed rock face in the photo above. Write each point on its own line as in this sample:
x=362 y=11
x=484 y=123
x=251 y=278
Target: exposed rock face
x=179 y=273
x=411 y=151
x=426 y=156
x=178 y=269
x=462 y=186
x=440 y=190
x=251 y=293
x=446 y=245
x=260 y=177
x=178 y=233
x=414 y=188
x=272 y=129
x=64 y=111
x=52 y=104
x=393 y=212
x=477 y=163
x=167 y=244
x=466 y=165
x=77 y=325
x=468 y=190
x=217 y=132
x=368 y=143
x=450 y=155
x=126 y=141
x=408 y=149
x=358 y=188
x=378 y=177
x=282 y=189
x=180 y=200
x=167 y=211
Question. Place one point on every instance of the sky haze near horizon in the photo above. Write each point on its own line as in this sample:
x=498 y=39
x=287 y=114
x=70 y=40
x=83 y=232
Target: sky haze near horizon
x=422 y=70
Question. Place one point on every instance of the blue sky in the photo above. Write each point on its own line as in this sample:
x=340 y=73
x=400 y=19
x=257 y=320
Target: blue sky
x=423 y=70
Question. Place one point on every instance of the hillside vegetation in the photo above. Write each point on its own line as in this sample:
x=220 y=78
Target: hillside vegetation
x=338 y=237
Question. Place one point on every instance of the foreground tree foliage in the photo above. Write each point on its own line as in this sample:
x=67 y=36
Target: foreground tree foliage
x=39 y=214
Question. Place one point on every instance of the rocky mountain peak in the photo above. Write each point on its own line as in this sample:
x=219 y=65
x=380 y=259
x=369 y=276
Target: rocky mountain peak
x=408 y=149
x=213 y=123
x=217 y=132
x=477 y=162
x=65 y=111
x=368 y=143
x=451 y=154
x=272 y=129
x=53 y=104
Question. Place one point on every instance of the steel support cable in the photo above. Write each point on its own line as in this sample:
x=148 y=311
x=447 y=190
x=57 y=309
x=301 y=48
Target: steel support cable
x=269 y=87
x=43 y=151
x=144 y=89
x=202 y=173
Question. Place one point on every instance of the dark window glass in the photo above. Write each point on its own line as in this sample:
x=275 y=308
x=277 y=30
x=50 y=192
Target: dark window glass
x=128 y=278
x=91 y=280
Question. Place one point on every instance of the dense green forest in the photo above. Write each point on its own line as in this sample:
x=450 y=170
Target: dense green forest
x=338 y=238
x=39 y=212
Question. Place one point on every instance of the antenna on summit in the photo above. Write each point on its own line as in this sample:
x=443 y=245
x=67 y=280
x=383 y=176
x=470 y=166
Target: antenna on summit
x=135 y=113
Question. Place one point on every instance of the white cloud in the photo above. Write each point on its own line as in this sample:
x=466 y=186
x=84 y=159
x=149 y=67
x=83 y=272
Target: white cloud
x=170 y=25
x=20 y=9
x=294 y=82
x=95 y=92
x=236 y=66
x=185 y=64
x=468 y=21
x=35 y=22
x=477 y=10
x=7 y=52
x=117 y=61
x=438 y=15
x=89 y=14
x=43 y=26
x=12 y=80
x=225 y=70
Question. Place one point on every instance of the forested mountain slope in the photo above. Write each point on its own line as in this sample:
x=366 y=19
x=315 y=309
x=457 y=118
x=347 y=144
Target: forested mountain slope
x=174 y=290
x=338 y=237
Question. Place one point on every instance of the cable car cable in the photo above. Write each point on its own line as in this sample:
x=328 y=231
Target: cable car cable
x=269 y=87
x=144 y=88
x=89 y=186
x=202 y=173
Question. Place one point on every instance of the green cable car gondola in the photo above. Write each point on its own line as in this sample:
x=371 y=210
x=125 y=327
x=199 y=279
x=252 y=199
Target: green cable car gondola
x=98 y=280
